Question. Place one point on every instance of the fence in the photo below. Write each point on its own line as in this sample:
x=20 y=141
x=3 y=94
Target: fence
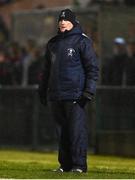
x=25 y=122
x=115 y=121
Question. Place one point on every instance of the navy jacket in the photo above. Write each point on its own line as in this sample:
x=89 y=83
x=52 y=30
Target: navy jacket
x=70 y=67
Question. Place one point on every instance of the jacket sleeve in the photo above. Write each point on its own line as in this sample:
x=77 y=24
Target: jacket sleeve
x=44 y=76
x=90 y=65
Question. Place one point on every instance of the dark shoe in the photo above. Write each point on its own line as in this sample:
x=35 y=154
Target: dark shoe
x=77 y=170
x=59 y=170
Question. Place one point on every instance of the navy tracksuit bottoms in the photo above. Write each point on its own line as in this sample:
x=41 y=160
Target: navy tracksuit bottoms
x=73 y=137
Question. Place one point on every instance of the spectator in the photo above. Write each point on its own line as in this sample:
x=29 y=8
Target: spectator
x=130 y=67
x=15 y=52
x=6 y=70
x=4 y=33
x=35 y=68
x=28 y=60
x=17 y=55
x=113 y=71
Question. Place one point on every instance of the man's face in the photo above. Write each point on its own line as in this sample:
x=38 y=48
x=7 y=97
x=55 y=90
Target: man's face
x=65 y=25
x=2 y=57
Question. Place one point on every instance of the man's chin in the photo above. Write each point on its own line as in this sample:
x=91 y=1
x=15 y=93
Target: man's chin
x=63 y=30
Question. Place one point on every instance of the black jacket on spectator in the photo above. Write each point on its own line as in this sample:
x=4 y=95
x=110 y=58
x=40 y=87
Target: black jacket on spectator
x=113 y=71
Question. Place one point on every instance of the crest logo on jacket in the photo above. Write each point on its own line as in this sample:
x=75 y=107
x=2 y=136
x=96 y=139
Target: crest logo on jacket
x=70 y=51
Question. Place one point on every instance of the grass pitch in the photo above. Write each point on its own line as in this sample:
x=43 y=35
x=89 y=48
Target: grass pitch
x=35 y=165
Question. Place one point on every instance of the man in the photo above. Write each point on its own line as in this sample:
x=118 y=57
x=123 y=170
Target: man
x=130 y=64
x=6 y=69
x=69 y=79
x=113 y=71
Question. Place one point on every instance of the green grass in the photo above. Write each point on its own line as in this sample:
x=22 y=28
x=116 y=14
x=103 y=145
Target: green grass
x=36 y=165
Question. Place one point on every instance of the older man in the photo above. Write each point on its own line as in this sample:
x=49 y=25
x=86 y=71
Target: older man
x=69 y=79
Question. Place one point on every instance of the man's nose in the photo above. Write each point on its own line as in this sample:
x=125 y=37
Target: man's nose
x=62 y=21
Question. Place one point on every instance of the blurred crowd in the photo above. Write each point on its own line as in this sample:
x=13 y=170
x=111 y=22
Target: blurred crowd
x=19 y=65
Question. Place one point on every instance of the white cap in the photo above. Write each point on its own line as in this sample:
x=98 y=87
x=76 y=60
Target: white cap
x=119 y=40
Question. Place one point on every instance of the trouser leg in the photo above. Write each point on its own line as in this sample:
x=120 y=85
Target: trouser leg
x=78 y=135
x=73 y=134
x=64 y=154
